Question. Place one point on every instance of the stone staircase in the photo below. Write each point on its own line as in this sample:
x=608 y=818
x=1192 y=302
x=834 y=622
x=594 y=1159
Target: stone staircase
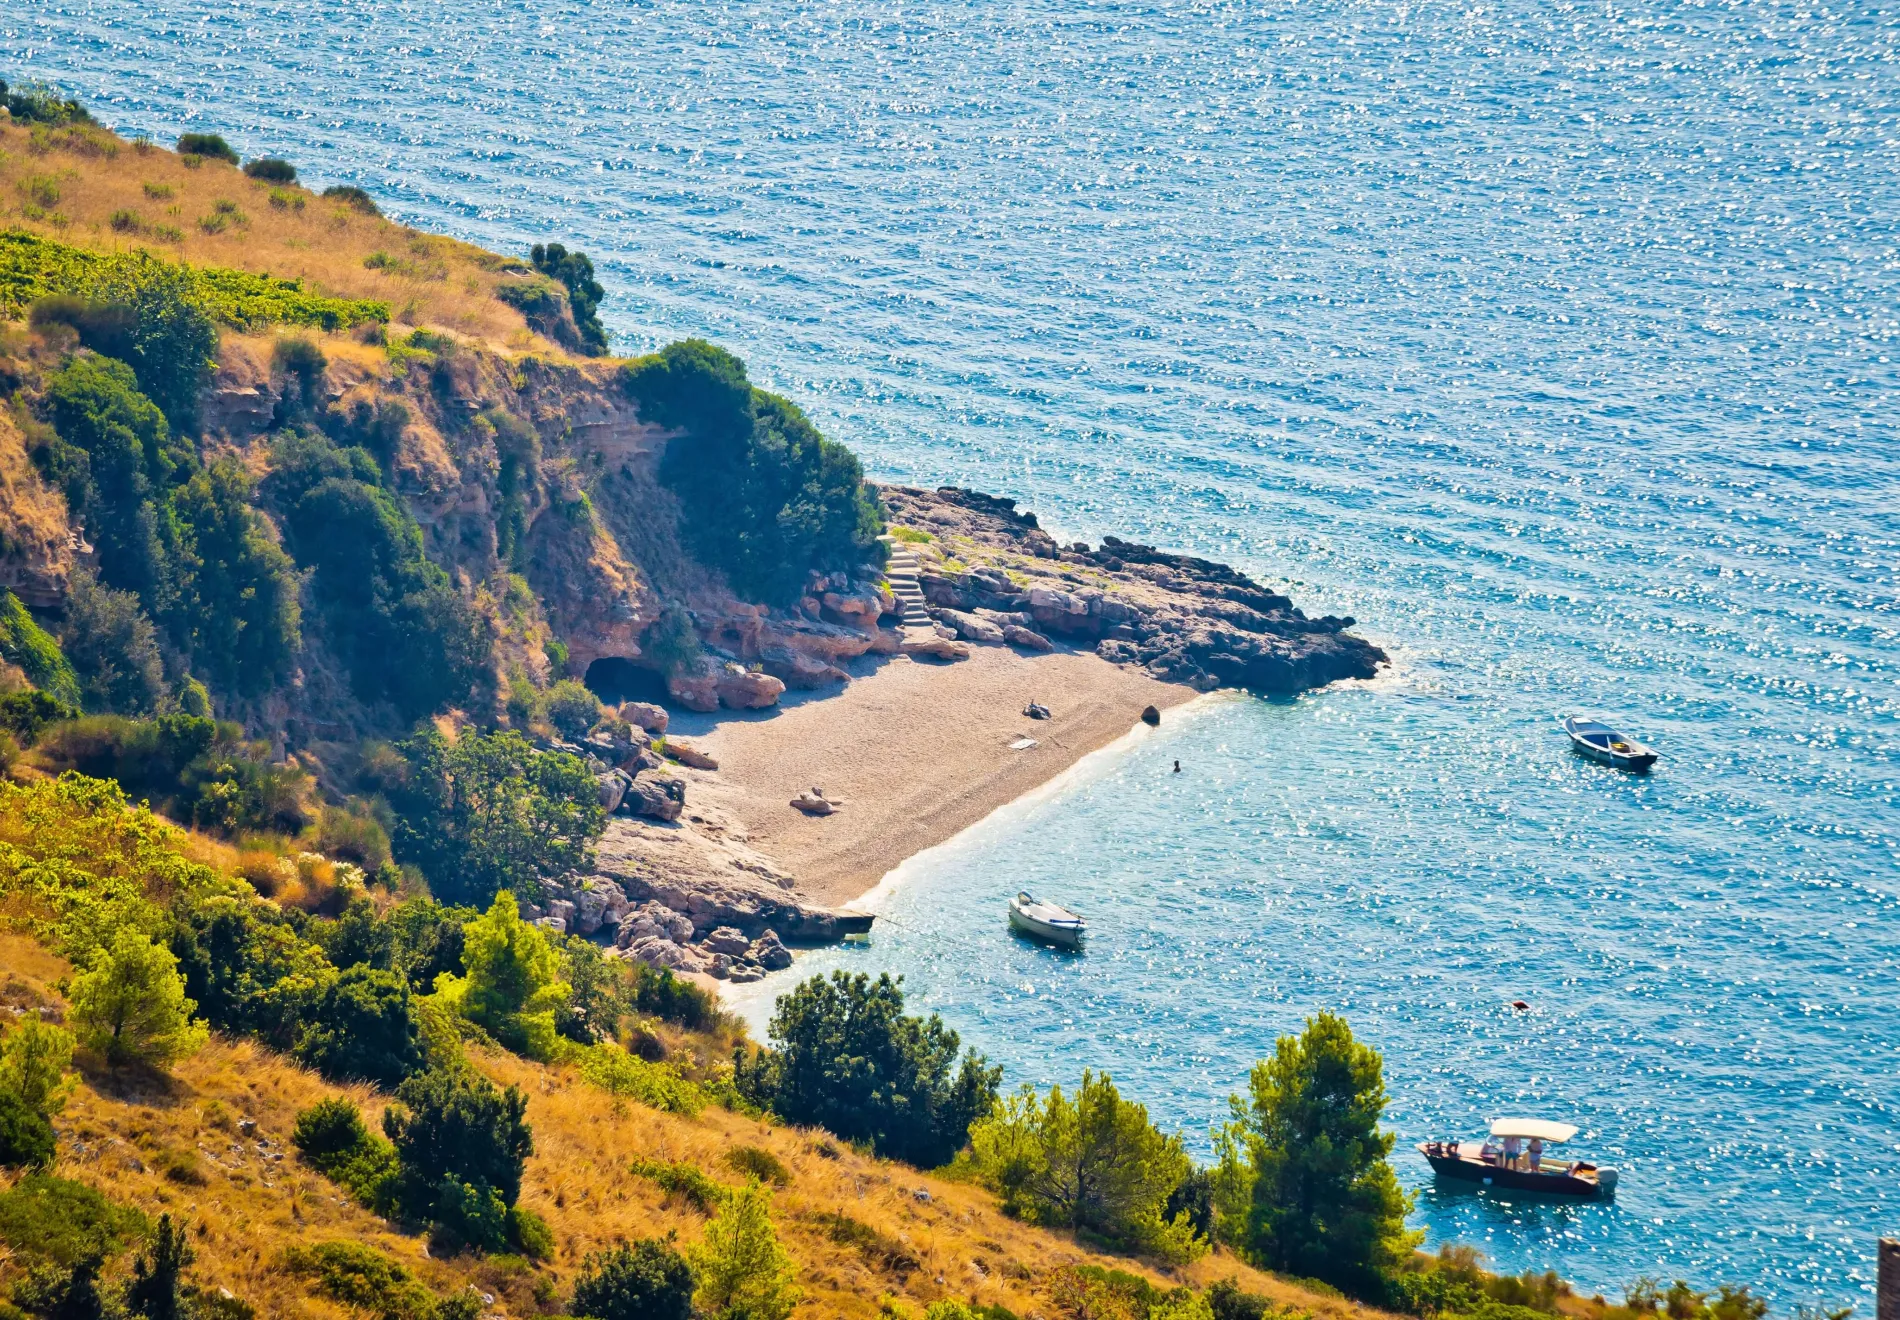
x=901 y=573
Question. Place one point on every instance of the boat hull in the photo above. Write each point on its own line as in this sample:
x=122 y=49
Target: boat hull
x=1066 y=937
x=1615 y=760
x=1465 y=1168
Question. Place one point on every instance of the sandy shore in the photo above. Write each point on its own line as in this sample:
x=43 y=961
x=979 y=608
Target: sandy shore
x=918 y=751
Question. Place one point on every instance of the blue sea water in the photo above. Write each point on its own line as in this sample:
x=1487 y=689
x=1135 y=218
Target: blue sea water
x=1553 y=340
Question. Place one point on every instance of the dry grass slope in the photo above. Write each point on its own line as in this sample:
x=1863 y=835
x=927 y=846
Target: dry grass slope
x=92 y=189
x=860 y=1229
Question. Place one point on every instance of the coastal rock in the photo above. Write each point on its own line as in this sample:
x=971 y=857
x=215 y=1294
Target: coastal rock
x=600 y=903
x=970 y=628
x=770 y=953
x=728 y=940
x=707 y=872
x=695 y=687
x=1027 y=638
x=1180 y=618
x=560 y=907
x=613 y=788
x=654 y=921
x=674 y=957
x=743 y=689
x=917 y=642
x=815 y=803
x=688 y=755
x=796 y=669
x=659 y=799
x=745 y=973
x=644 y=715
x=555 y=924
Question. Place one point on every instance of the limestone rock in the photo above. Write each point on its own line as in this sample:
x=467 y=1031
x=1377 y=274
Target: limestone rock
x=555 y=924
x=560 y=907
x=971 y=628
x=745 y=973
x=660 y=799
x=743 y=689
x=676 y=957
x=613 y=787
x=797 y=669
x=601 y=902
x=917 y=642
x=695 y=687
x=729 y=941
x=687 y=754
x=1027 y=638
x=644 y=715
x=815 y=803
x=769 y=952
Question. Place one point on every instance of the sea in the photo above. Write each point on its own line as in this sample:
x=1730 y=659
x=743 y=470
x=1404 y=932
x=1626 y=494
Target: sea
x=1553 y=340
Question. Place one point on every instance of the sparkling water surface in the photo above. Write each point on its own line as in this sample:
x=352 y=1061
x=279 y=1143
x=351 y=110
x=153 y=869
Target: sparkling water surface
x=1552 y=340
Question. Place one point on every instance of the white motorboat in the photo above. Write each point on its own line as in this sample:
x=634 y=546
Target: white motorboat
x=1505 y=1162
x=1606 y=746
x=1046 y=921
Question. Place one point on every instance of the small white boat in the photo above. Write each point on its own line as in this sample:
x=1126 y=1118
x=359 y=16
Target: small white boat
x=1606 y=746
x=1046 y=921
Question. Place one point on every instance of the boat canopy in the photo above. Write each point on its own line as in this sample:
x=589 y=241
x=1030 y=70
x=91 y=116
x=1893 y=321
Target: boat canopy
x=1541 y=1128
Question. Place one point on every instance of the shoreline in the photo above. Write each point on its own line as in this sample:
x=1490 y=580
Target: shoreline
x=914 y=753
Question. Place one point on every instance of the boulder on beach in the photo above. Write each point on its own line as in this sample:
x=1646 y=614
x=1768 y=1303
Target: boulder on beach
x=644 y=715
x=658 y=799
x=1150 y=716
x=1027 y=638
x=813 y=802
x=729 y=940
x=769 y=952
x=686 y=754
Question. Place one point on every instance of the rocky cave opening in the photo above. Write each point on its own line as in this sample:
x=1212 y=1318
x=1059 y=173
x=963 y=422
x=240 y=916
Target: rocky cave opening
x=614 y=679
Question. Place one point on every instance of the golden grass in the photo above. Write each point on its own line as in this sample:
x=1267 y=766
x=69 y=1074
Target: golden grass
x=173 y=1145
x=95 y=190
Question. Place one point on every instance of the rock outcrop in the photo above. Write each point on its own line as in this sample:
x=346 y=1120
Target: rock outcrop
x=1181 y=618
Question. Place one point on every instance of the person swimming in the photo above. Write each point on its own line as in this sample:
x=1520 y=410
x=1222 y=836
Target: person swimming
x=1177 y=767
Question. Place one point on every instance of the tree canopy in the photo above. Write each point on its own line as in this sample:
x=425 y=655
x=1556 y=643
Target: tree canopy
x=1304 y=1185
x=846 y=1058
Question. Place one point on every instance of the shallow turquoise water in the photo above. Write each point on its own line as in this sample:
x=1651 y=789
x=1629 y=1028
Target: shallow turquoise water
x=1552 y=341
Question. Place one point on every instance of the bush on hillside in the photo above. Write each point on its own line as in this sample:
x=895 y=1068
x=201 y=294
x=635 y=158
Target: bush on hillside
x=237 y=612
x=656 y=991
x=64 y=1222
x=1091 y=1161
x=271 y=170
x=572 y=709
x=353 y=197
x=113 y=648
x=130 y=1004
x=26 y=715
x=576 y=274
x=174 y=340
x=513 y=987
x=196 y=770
x=489 y=812
x=209 y=145
x=362 y=1028
x=27 y=1140
x=743 y=1272
x=405 y=631
x=24 y=643
x=644 y=1280
x=846 y=1059
x=1303 y=1184
x=461 y=1144
x=40 y=103
x=365 y=1280
x=332 y=1138
x=764 y=497
x=34 y=1057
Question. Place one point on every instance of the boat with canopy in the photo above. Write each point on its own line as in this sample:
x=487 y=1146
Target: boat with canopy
x=1514 y=1157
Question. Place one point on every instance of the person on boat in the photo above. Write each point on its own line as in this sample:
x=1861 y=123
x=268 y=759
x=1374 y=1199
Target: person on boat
x=1510 y=1152
x=1536 y=1154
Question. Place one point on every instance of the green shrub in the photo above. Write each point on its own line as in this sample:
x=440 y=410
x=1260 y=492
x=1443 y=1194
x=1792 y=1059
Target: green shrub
x=65 y=1292
x=113 y=648
x=208 y=145
x=26 y=1138
x=659 y=993
x=157 y=1288
x=64 y=1222
x=34 y=1057
x=655 y=1085
x=489 y=812
x=349 y=831
x=529 y=1234
x=237 y=611
x=763 y=495
x=461 y=1143
x=26 y=714
x=269 y=169
x=362 y=1028
x=576 y=274
x=513 y=987
x=1304 y=1186
x=1092 y=1161
x=24 y=643
x=847 y=1059
x=671 y=642
x=571 y=708
x=331 y=1138
x=40 y=103
x=353 y=197
x=130 y=1004
x=758 y=1162
x=196 y=769
x=406 y=633
x=645 y=1280
x=742 y=1271
x=686 y=1181
x=366 y=1280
